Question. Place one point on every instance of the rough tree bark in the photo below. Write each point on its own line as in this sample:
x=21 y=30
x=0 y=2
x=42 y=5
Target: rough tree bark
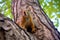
x=9 y=30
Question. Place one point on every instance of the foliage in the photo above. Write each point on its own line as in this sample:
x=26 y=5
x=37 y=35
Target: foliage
x=52 y=9
x=5 y=8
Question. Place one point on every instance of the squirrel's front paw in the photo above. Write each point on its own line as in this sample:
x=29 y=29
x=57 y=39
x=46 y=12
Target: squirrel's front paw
x=33 y=30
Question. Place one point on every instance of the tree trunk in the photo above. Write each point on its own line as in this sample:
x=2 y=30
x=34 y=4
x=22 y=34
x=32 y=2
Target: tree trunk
x=45 y=29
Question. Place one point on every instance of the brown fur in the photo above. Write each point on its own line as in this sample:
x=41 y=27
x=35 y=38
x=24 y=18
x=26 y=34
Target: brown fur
x=25 y=21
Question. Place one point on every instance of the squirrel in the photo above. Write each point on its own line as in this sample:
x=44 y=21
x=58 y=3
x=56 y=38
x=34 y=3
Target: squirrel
x=25 y=21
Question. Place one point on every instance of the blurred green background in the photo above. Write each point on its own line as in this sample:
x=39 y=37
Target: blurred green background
x=51 y=8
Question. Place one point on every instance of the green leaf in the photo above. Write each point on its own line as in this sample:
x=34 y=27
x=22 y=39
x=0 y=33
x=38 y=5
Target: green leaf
x=58 y=15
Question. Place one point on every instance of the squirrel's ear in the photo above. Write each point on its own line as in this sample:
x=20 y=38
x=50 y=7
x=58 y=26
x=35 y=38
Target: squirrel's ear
x=24 y=13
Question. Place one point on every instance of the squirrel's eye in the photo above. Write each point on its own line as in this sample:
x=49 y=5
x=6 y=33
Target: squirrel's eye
x=26 y=18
